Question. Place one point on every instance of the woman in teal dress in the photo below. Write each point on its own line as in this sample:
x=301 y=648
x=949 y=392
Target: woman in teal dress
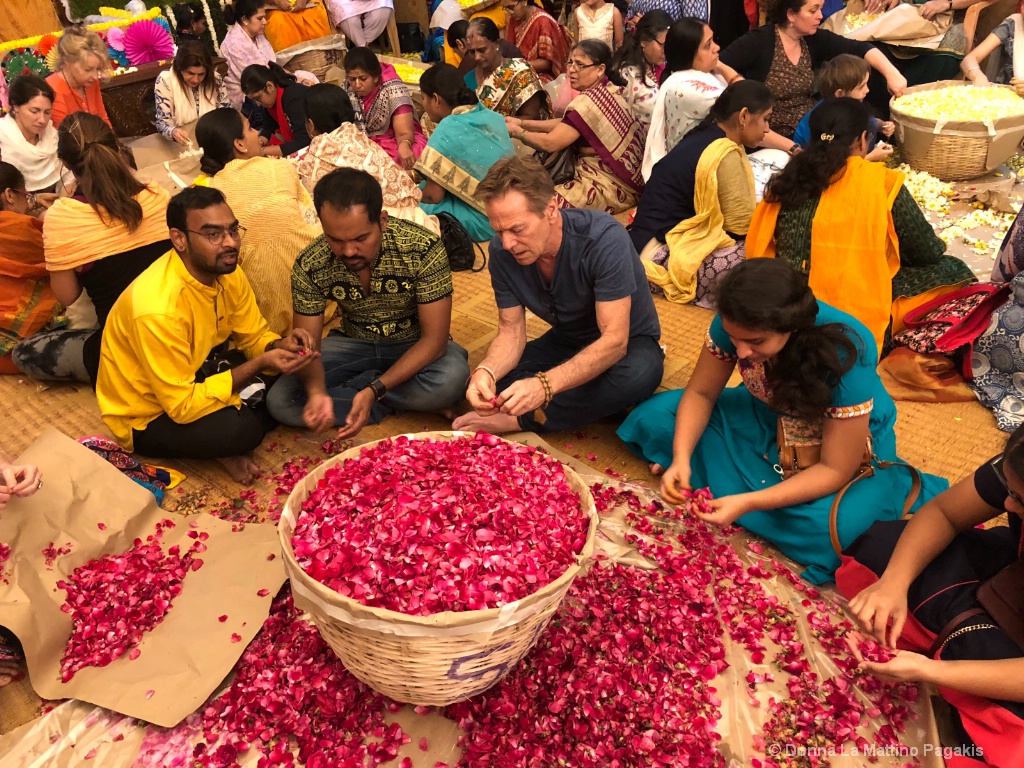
x=802 y=361
x=468 y=140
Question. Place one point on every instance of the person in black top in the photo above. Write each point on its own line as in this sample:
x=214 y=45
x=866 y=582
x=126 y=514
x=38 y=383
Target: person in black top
x=189 y=21
x=283 y=100
x=786 y=53
x=741 y=115
x=913 y=586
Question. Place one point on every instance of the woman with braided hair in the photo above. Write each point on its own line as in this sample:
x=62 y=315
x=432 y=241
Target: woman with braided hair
x=830 y=190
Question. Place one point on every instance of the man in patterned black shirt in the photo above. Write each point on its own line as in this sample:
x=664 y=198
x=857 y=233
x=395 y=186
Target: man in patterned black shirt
x=392 y=281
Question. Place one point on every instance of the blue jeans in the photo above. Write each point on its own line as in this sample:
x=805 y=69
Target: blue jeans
x=630 y=381
x=351 y=364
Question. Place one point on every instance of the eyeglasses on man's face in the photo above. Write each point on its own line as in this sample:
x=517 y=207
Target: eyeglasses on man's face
x=216 y=235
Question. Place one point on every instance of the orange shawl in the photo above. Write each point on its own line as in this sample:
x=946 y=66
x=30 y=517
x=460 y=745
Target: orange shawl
x=854 y=272
x=27 y=302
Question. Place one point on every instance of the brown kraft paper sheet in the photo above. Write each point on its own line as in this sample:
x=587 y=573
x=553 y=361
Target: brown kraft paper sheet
x=187 y=655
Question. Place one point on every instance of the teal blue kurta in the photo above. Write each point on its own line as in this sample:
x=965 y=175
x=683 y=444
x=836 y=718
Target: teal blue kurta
x=458 y=155
x=738 y=451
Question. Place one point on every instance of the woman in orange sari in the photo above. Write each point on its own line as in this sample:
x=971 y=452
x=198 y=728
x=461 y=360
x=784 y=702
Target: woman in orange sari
x=290 y=22
x=544 y=42
x=892 y=262
x=27 y=303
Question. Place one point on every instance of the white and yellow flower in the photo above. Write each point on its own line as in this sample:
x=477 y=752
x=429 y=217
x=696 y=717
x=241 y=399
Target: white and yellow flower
x=961 y=103
x=408 y=73
x=855 y=21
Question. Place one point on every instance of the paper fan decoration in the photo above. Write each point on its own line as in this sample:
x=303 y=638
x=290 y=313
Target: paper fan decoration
x=146 y=41
x=52 y=59
x=120 y=58
x=46 y=44
x=115 y=38
x=23 y=61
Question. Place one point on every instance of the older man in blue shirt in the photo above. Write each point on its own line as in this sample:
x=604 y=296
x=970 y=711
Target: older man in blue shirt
x=578 y=271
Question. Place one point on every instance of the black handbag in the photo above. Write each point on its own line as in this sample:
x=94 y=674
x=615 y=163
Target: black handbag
x=224 y=358
x=560 y=165
x=1002 y=597
x=459 y=245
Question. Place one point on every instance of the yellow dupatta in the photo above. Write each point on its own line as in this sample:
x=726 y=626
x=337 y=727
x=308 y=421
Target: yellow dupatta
x=854 y=249
x=693 y=240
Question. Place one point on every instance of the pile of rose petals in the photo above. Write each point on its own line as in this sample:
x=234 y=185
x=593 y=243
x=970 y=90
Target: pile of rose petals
x=291 y=692
x=423 y=526
x=622 y=676
x=5 y=554
x=818 y=711
x=115 y=599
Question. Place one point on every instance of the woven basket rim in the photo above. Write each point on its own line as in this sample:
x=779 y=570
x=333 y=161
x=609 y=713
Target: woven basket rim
x=443 y=618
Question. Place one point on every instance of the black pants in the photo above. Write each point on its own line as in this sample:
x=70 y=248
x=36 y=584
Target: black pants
x=948 y=586
x=227 y=432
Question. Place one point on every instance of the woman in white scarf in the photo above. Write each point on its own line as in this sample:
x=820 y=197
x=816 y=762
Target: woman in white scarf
x=187 y=91
x=28 y=140
x=690 y=84
x=693 y=80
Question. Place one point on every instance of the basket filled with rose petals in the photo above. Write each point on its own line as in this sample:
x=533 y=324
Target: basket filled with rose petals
x=431 y=563
x=956 y=131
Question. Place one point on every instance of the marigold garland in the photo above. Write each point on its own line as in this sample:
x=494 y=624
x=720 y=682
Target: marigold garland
x=31 y=42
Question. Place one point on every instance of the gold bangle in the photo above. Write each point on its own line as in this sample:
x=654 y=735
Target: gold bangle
x=406 y=141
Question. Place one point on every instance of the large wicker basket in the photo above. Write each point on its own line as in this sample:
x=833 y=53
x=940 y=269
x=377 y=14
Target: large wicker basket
x=432 y=660
x=956 y=151
x=316 y=56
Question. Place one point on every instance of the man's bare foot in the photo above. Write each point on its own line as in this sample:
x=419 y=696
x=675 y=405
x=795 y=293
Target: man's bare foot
x=656 y=469
x=241 y=468
x=496 y=425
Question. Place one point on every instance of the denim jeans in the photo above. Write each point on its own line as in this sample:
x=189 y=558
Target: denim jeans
x=630 y=381
x=351 y=364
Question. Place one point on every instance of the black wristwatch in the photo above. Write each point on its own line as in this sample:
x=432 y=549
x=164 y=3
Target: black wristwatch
x=379 y=390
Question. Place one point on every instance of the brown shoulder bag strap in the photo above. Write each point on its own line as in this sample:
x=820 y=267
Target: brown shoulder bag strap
x=868 y=471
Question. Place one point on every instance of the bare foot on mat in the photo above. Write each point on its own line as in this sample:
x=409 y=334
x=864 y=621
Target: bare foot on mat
x=241 y=468
x=496 y=425
x=9 y=672
x=656 y=469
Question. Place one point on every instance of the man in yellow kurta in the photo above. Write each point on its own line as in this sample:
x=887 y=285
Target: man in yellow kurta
x=164 y=327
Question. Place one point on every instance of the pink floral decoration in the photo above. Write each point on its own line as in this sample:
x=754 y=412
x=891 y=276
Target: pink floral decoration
x=147 y=41
x=115 y=38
